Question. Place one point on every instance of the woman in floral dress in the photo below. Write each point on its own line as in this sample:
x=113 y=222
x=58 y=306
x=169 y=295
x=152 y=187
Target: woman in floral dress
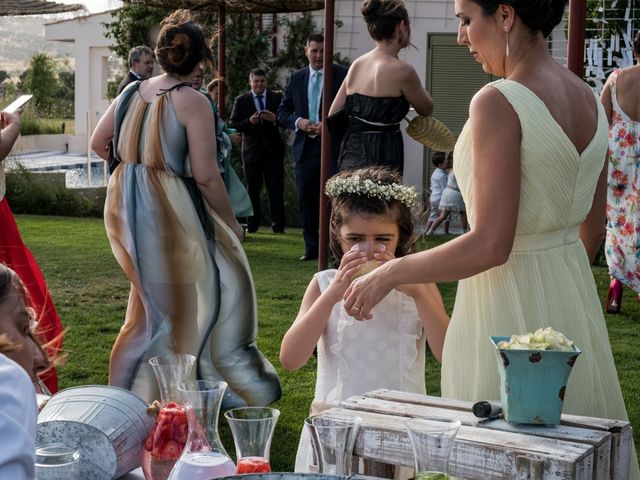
x=621 y=99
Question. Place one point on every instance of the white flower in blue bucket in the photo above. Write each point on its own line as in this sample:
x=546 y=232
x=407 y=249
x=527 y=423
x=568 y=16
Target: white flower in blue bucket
x=541 y=339
x=534 y=370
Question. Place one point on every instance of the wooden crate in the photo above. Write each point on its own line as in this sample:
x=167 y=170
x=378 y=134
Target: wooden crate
x=581 y=448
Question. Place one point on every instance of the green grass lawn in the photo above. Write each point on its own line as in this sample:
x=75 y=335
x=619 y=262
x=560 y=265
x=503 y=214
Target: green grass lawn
x=90 y=293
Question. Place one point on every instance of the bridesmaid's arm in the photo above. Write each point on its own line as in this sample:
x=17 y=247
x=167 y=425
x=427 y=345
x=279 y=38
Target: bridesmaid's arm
x=593 y=229
x=103 y=133
x=413 y=90
x=605 y=99
x=195 y=113
x=340 y=99
x=496 y=140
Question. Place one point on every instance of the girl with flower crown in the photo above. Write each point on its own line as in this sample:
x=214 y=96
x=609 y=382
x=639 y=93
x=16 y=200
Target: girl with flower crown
x=371 y=223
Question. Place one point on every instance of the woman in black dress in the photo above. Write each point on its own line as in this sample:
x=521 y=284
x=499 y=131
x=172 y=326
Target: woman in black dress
x=378 y=91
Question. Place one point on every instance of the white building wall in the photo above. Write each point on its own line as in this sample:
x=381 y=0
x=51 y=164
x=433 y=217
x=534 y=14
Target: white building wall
x=91 y=48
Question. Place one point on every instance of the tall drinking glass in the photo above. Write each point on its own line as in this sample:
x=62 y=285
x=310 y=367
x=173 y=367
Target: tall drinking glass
x=252 y=429
x=431 y=442
x=57 y=461
x=333 y=438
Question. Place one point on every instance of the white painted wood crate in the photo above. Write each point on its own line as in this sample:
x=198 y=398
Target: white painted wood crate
x=581 y=448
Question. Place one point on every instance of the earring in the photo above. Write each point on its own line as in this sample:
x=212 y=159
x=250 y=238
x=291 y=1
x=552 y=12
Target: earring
x=506 y=32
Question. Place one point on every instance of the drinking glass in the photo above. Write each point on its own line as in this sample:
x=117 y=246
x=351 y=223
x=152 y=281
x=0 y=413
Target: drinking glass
x=431 y=443
x=57 y=461
x=252 y=429
x=333 y=438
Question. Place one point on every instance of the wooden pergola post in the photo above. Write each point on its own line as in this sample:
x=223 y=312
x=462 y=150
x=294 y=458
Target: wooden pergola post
x=325 y=155
x=222 y=45
x=577 y=26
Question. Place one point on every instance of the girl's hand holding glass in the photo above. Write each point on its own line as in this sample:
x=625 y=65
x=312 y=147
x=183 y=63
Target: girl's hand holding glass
x=350 y=263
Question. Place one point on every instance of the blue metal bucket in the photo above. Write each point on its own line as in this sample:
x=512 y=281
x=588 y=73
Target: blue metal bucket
x=533 y=383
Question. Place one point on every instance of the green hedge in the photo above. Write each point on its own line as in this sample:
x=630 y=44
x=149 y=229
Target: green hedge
x=29 y=193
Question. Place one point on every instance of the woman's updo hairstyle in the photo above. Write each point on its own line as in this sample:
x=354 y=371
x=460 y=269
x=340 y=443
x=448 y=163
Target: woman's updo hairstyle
x=538 y=15
x=181 y=43
x=382 y=16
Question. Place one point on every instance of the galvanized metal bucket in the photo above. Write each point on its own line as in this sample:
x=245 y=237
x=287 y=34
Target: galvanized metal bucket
x=533 y=383
x=107 y=424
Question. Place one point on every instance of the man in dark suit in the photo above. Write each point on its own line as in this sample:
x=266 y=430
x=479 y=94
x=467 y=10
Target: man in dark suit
x=254 y=116
x=140 y=66
x=301 y=111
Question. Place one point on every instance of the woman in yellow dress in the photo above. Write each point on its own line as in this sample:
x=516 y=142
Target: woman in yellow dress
x=535 y=224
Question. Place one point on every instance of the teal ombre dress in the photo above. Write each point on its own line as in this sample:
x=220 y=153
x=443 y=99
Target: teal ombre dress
x=191 y=287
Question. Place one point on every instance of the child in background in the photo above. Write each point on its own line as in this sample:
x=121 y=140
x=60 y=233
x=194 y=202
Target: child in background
x=438 y=184
x=451 y=201
x=370 y=213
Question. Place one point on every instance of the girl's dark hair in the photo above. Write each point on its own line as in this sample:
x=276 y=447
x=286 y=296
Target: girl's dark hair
x=538 y=15
x=382 y=16
x=346 y=205
x=8 y=281
x=636 y=44
x=181 y=44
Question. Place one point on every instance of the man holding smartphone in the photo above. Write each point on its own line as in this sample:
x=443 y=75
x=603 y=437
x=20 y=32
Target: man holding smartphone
x=253 y=115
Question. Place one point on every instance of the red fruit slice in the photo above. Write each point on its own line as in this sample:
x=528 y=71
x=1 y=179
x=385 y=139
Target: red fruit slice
x=253 y=465
x=171 y=450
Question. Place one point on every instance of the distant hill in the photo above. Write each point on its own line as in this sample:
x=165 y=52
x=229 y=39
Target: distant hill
x=21 y=37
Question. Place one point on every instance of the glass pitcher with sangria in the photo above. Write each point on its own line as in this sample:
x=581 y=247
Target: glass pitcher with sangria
x=168 y=436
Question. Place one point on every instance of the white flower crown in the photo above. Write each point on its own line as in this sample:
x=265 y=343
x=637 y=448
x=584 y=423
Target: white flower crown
x=368 y=188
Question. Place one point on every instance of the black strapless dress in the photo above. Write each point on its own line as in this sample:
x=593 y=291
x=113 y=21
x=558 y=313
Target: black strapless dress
x=373 y=134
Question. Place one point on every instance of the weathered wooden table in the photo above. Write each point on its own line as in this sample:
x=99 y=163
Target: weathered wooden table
x=581 y=448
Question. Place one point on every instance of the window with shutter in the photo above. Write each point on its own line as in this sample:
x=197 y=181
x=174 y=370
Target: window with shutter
x=452 y=78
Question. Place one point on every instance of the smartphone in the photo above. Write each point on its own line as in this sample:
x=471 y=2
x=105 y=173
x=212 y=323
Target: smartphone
x=17 y=103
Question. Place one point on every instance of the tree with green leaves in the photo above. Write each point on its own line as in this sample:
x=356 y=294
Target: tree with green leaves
x=41 y=80
x=131 y=26
x=247 y=48
x=297 y=30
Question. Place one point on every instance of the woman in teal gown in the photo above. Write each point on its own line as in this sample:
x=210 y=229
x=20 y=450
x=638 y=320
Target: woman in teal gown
x=173 y=232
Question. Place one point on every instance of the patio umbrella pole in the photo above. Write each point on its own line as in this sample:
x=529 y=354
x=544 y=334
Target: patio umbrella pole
x=325 y=156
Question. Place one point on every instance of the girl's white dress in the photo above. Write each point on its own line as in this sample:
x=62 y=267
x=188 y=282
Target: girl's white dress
x=356 y=357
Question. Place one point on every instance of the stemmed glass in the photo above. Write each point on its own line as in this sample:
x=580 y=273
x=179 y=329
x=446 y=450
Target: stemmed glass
x=431 y=442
